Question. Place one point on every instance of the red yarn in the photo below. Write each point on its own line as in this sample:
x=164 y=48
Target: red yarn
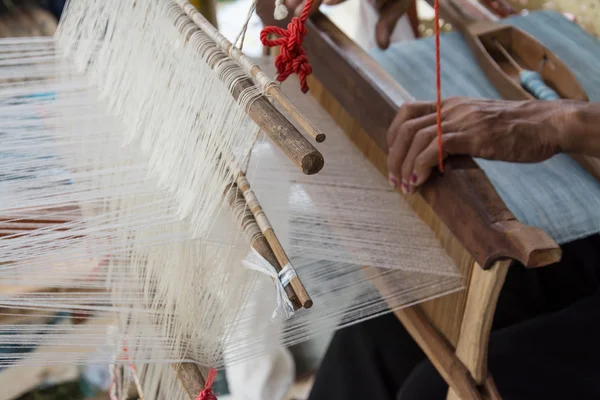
x=291 y=58
x=438 y=85
x=207 y=393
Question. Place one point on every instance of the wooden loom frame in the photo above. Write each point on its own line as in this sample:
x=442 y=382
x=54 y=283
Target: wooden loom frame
x=458 y=350
x=285 y=135
x=453 y=331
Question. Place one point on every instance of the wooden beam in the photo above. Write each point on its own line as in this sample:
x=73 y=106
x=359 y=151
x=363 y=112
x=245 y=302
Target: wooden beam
x=472 y=347
x=285 y=135
x=463 y=193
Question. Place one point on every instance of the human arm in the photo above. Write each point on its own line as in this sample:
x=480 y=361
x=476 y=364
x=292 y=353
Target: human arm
x=515 y=131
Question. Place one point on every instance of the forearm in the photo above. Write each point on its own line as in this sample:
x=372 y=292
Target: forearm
x=581 y=132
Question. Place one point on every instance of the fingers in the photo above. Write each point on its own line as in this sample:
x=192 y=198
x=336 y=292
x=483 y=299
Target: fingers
x=421 y=141
x=389 y=13
x=427 y=160
x=407 y=112
x=410 y=134
x=454 y=143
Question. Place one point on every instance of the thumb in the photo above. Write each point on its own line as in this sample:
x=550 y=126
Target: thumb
x=390 y=13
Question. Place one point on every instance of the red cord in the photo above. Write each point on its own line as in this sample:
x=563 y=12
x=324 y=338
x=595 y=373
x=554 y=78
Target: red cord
x=291 y=58
x=438 y=84
x=207 y=393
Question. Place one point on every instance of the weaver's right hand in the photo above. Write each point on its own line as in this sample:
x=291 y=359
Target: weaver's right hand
x=390 y=11
x=514 y=131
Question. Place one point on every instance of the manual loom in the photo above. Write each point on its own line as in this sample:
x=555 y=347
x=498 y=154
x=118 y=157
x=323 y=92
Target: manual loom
x=134 y=196
x=487 y=215
x=136 y=190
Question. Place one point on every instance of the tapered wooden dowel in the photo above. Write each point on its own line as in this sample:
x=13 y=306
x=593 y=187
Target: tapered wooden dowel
x=258 y=241
x=190 y=377
x=252 y=69
x=285 y=135
x=267 y=230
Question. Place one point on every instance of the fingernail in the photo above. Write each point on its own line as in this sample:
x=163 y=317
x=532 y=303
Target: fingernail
x=393 y=181
x=404 y=187
x=413 y=178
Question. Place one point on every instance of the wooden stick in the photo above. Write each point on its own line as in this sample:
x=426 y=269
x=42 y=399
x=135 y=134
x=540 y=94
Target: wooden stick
x=295 y=146
x=267 y=230
x=439 y=352
x=253 y=69
x=484 y=290
x=435 y=346
x=190 y=377
x=238 y=204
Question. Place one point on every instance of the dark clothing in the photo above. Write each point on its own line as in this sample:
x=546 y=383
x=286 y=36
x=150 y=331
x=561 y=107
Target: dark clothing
x=545 y=342
x=54 y=6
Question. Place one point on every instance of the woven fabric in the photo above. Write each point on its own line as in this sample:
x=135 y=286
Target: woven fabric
x=557 y=195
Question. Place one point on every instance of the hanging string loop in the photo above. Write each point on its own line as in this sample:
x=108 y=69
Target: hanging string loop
x=292 y=58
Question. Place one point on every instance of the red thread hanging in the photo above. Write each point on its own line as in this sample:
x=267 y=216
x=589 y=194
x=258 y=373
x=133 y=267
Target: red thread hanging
x=291 y=58
x=438 y=85
x=207 y=393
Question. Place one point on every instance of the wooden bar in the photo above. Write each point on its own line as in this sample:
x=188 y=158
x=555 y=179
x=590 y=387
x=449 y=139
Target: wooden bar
x=253 y=69
x=464 y=193
x=439 y=352
x=461 y=207
x=268 y=232
x=295 y=146
x=258 y=241
x=191 y=378
x=438 y=349
x=472 y=347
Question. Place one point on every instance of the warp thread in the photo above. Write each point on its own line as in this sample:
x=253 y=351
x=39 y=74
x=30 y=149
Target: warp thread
x=438 y=85
x=207 y=392
x=292 y=58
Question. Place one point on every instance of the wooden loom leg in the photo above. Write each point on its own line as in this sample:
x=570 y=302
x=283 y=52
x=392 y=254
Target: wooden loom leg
x=472 y=347
x=439 y=351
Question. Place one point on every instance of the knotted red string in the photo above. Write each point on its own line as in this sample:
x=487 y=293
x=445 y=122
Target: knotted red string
x=438 y=85
x=291 y=58
x=207 y=393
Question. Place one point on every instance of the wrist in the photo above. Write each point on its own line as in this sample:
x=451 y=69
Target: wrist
x=577 y=124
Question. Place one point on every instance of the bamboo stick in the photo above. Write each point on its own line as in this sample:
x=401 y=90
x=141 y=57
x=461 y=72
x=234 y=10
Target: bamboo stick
x=259 y=242
x=268 y=232
x=253 y=69
x=295 y=146
x=190 y=377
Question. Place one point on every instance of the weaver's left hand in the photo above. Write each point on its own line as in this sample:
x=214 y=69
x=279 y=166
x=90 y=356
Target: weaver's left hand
x=514 y=131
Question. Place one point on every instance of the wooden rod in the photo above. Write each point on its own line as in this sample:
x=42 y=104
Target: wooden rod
x=269 y=233
x=190 y=377
x=439 y=352
x=472 y=346
x=253 y=69
x=295 y=146
x=258 y=241
x=507 y=55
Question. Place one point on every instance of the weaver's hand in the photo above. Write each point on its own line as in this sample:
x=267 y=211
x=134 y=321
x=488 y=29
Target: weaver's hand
x=390 y=11
x=524 y=131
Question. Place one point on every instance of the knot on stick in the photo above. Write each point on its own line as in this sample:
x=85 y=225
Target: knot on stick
x=292 y=58
x=207 y=393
